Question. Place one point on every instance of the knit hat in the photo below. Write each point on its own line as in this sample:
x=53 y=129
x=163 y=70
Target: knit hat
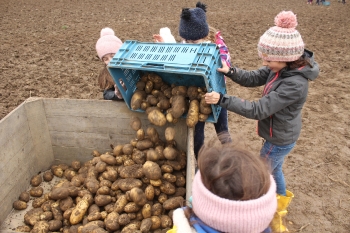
x=193 y=23
x=108 y=43
x=282 y=42
x=233 y=216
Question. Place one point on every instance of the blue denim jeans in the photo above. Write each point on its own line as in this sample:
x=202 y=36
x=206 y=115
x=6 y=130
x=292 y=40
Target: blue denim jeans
x=275 y=157
x=220 y=127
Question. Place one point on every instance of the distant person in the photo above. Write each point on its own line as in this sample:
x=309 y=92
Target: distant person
x=286 y=72
x=232 y=191
x=309 y=2
x=106 y=47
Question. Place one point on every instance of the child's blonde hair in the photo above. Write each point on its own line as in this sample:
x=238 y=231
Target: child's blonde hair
x=105 y=80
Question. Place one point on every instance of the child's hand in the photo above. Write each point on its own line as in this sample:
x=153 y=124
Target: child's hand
x=224 y=68
x=158 y=38
x=212 y=97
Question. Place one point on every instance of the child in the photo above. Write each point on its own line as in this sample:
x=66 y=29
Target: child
x=233 y=191
x=288 y=68
x=106 y=47
x=195 y=29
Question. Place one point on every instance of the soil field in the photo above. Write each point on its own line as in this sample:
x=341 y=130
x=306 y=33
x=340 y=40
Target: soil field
x=48 y=50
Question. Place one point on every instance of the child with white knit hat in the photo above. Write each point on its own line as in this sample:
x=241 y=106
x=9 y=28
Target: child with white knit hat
x=287 y=69
x=106 y=47
x=232 y=191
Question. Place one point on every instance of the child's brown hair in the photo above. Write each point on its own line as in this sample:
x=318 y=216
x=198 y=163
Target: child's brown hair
x=233 y=173
x=104 y=79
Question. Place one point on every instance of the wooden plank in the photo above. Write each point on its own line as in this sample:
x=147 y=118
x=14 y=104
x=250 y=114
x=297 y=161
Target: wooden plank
x=39 y=133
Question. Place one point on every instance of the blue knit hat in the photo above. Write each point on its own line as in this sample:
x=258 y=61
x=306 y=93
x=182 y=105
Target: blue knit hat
x=193 y=23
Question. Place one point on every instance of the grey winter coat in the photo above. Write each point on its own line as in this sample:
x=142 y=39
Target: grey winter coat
x=278 y=111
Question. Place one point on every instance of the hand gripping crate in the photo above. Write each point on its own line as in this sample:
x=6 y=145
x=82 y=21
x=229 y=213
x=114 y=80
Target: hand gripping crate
x=179 y=64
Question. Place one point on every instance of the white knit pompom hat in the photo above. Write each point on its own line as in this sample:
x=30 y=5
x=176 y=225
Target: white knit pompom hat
x=233 y=216
x=108 y=43
x=282 y=42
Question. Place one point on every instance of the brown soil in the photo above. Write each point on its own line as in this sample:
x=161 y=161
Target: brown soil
x=48 y=50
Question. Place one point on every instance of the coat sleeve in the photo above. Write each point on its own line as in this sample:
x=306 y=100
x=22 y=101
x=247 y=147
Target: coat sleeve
x=250 y=78
x=286 y=94
x=110 y=95
x=180 y=222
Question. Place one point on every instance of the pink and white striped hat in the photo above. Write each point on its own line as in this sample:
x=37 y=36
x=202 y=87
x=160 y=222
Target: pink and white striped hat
x=282 y=42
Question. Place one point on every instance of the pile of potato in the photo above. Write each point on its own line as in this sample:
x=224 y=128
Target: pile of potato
x=133 y=188
x=163 y=103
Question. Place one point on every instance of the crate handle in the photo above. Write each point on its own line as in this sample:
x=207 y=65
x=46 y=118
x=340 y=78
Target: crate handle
x=157 y=65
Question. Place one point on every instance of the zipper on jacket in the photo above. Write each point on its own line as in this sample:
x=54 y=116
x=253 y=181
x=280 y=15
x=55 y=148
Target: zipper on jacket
x=271 y=123
x=269 y=84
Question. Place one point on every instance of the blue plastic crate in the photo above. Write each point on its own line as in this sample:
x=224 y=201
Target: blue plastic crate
x=175 y=63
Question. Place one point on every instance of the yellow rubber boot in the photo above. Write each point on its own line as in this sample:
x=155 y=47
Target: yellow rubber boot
x=282 y=205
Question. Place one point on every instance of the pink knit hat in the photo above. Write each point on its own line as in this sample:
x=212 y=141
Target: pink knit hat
x=226 y=215
x=108 y=43
x=282 y=42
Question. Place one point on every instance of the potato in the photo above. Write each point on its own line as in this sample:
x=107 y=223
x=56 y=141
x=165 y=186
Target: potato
x=36 y=180
x=47 y=176
x=179 y=90
x=140 y=85
x=132 y=171
x=94 y=216
x=169 y=117
x=108 y=159
x=121 y=203
x=204 y=107
x=102 y=200
x=103 y=190
x=24 y=228
x=55 y=225
x=37 y=202
x=131 y=207
x=166 y=168
x=173 y=203
x=123 y=219
x=152 y=155
x=146 y=225
x=152 y=134
x=156 y=183
x=111 y=221
x=174 y=164
x=164 y=103
x=40 y=227
x=66 y=214
x=146 y=211
x=136 y=99
x=46 y=216
x=166 y=221
x=162 y=198
x=149 y=192
x=179 y=191
x=157 y=209
x=169 y=133
x=140 y=134
x=117 y=150
x=32 y=216
x=149 y=87
x=128 y=149
x=178 y=106
x=145 y=105
x=144 y=144
x=56 y=211
x=152 y=100
x=156 y=117
x=138 y=196
x=180 y=180
x=19 y=205
x=59 y=193
x=79 y=212
x=151 y=170
x=138 y=156
x=169 y=177
x=24 y=196
x=69 y=174
x=129 y=183
x=193 y=114
x=57 y=171
x=155 y=222
x=167 y=188
x=170 y=153
x=110 y=175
